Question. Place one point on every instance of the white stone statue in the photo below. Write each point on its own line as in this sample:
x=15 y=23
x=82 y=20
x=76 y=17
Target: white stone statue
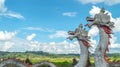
x=83 y=38
x=13 y=62
x=102 y=21
x=44 y=62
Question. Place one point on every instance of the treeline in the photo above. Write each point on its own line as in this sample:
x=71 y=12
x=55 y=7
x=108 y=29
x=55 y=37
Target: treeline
x=41 y=53
x=49 y=54
x=33 y=53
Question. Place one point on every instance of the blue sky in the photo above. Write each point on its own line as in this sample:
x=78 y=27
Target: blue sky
x=43 y=24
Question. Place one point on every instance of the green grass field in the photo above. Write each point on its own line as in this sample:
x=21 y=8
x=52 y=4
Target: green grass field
x=63 y=61
x=60 y=61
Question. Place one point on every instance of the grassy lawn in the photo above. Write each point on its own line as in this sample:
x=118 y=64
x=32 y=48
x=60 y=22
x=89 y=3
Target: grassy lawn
x=60 y=61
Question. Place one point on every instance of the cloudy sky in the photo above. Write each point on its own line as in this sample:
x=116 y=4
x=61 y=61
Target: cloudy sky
x=42 y=25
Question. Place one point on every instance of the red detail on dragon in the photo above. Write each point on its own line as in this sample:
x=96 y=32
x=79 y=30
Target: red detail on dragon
x=108 y=31
x=87 y=45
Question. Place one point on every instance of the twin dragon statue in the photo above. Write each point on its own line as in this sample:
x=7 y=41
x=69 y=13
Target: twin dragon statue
x=102 y=21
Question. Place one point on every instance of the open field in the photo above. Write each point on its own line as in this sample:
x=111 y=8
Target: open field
x=59 y=60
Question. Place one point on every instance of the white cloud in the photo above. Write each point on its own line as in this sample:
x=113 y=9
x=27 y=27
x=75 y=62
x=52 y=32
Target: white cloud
x=2 y=6
x=70 y=14
x=93 y=44
x=15 y=44
x=59 y=34
x=7 y=45
x=60 y=47
x=94 y=10
x=93 y=31
x=107 y=2
x=114 y=44
x=19 y=45
x=111 y=2
x=14 y=15
x=4 y=35
x=117 y=24
x=39 y=29
x=6 y=40
x=30 y=37
x=90 y=1
x=5 y=12
x=33 y=46
x=63 y=47
x=114 y=50
x=34 y=28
